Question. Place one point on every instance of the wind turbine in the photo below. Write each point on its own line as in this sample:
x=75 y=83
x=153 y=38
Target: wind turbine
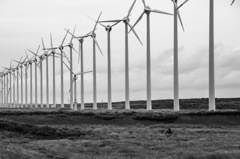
x=108 y=28
x=21 y=66
x=17 y=68
x=175 y=54
x=30 y=61
x=61 y=47
x=26 y=64
x=53 y=54
x=126 y=21
x=1 y=75
x=212 y=104
x=41 y=84
x=91 y=34
x=6 y=86
x=14 y=80
x=232 y=2
x=47 y=79
x=147 y=10
x=74 y=79
x=71 y=67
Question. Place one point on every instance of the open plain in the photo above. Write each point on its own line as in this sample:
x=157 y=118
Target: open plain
x=162 y=133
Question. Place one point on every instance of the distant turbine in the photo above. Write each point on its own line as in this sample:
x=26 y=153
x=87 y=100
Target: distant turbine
x=6 y=97
x=147 y=10
x=74 y=79
x=41 y=76
x=20 y=65
x=108 y=28
x=30 y=64
x=47 y=79
x=61 y=47
x=212 y=104
x=17 y=68
x=175 y=63
x=126 y=21
x=91 y=34
x=71 y=67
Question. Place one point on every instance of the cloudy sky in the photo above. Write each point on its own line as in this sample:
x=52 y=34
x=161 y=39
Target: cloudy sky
x=24 y=22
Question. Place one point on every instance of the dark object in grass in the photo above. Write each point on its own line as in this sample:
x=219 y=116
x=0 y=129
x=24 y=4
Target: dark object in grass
x=168 y=131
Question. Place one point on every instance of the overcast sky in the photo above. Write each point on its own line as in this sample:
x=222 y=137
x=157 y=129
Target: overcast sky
x=24 y=22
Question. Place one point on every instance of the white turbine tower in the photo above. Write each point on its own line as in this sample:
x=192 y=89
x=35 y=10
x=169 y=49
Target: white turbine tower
x=17 y=68
x=80 y=39
x=74 y=79
x=61 y=47
x=212 y=104
x=21 y=75
x=126 y=21
x=147 y=10
x=108 y=28
x=71 y=67
x=41 y=76
x=47 y=79
x=29 y=62
x=175 y=54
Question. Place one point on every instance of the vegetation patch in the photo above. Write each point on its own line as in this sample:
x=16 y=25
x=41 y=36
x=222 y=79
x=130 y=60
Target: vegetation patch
x=42 y=132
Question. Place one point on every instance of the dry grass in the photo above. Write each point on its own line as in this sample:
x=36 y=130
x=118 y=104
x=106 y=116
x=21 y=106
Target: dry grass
x=128 y=142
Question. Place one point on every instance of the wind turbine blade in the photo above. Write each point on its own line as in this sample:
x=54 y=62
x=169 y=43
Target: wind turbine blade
x=135 y=33
x=97 y=21
x=232 y=2
x=98 y=46
x=75 y=50
x=68 y=67
x=111 y=21
x=83 y=72
x=79 y=53
x=182 y=4
x=73 y=33
x=43 y=44
x=130 y=10
x=26 y=55
x=144 y=3
x=180 y=19
x=161 y=12
x=65 y=37
x=88 y=33
x=64 y=55
x=51 y=40
x=38 y=49
x=20 y=59
x=11 y=63
x=115 y=24
x=17 y=61
x=178 y=13
x=137 y=21
x=32 y=52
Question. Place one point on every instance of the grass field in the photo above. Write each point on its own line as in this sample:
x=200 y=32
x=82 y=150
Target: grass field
x=62 y=133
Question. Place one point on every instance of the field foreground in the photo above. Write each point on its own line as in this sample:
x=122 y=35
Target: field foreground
x=62 y=133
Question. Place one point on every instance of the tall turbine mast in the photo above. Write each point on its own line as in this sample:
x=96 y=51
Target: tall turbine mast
x=40 y=68
x=108 y=28
x=21 y=75
x=74 y=79
x=147 y=10
x=126 y=21
x=61 y=47
x=176 y=106
x=71 y=67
